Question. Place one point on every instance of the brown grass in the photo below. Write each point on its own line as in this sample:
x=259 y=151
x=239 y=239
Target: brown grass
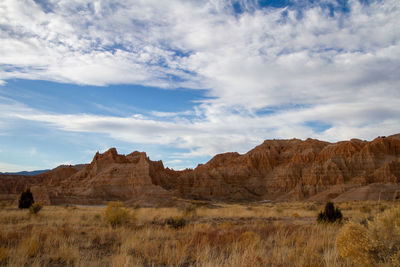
x=281 y=234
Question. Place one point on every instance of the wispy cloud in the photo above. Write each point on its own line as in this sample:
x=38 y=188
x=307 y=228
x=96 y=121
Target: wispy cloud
x=227 y=131
x=303 y=66
x=172 y=114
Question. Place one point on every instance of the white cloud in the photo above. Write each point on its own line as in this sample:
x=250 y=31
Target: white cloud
x=216 y=133
x=172 y=114
x=341 y=70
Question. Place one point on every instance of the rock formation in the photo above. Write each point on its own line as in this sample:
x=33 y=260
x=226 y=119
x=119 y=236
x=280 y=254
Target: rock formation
x=275 y=170
x=295 y=170
x=109 y=176
x=11 y=186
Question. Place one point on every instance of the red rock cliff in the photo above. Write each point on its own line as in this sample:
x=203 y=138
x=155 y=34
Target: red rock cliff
x=294 y=169
x=276 y=169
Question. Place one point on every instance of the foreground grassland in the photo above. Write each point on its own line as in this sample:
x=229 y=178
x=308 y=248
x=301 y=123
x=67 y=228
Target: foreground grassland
x=279 y=234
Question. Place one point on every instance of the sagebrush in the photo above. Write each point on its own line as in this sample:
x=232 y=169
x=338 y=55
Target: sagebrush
x=377 y=243
x=117 y=215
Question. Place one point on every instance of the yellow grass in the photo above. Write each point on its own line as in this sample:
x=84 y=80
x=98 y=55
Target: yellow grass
x=279 y=234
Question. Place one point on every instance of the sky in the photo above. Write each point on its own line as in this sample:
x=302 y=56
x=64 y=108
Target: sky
x=185 y=80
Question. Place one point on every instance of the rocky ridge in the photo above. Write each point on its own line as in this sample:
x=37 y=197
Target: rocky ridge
x=296 y=170
x=278 y=170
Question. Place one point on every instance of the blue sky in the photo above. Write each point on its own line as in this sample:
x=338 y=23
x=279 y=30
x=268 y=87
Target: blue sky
x=184 y=80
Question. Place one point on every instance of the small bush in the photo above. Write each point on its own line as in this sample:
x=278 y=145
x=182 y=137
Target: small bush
x=385 y=233
x=35 y=208
x=175 y=222
x=330 y=214
x=376 y=244
x=116 y=214
x=3 y=204
x=25 y=200
x=353 y=243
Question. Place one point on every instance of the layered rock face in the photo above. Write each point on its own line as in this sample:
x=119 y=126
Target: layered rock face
x=295 y=170
x=275 y=170
x=109 y=176
x=11 y=186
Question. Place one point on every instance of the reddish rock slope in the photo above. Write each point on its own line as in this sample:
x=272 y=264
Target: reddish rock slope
x=276 y=170
x=109 y=176
x=294 y=169
x=12 y=185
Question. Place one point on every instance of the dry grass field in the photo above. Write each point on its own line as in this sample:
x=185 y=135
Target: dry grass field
x=272 y=234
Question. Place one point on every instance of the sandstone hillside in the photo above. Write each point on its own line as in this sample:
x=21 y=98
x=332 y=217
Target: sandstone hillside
x=277 y=170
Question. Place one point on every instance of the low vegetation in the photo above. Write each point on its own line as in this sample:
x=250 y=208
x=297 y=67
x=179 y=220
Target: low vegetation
x=25 y=200
x=117 y=215
x=35 y=208
x=330 y=214
x=376 y=243
x=271 y=234
x=175 y=222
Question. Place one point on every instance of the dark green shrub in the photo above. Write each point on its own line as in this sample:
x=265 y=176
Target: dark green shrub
x=25 y=200
x=330 y=214
x=175 y=222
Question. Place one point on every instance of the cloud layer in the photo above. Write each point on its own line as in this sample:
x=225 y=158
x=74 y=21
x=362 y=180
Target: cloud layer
x=269 y=72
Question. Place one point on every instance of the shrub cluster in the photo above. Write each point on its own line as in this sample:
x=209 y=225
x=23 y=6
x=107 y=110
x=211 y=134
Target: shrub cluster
x=25 y=200
x=376 y=244
x=116 y=214
x=330 y=214
x=353 y=243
